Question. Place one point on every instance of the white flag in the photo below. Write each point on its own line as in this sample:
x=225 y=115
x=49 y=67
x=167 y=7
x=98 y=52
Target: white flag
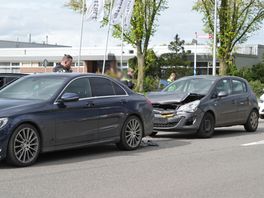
x=128 y=12
x=117 y=11
x=95 y=10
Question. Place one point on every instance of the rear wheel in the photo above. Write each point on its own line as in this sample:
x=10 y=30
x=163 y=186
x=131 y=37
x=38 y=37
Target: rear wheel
x=252 y=122
x=131 y=134
x=24 y=146
x=206 y=129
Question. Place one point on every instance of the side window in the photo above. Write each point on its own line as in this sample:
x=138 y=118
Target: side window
x=238 y=87
x=223 y=85
x=10 y=79
x=118 y=90
x=81 y=87
x=2 y=81
x=101 y=86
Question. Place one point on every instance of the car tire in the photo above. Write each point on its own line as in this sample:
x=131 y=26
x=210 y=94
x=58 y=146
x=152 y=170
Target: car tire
x=252 y=121
x=153 y=134
x=261 y=116
x=24 y=146
x=206 y=129
x=131 y=134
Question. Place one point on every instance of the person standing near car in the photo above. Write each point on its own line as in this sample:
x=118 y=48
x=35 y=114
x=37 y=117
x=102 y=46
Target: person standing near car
x=65 y=64
x=172 y=78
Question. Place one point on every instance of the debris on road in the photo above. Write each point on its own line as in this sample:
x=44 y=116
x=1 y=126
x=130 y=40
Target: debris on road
x=146 y=142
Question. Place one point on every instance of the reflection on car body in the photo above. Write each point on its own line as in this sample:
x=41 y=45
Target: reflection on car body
x=201 y=103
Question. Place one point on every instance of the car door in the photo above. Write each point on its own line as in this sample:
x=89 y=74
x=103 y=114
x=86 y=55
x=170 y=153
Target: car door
x=225 y=107
x=111 y=102
x=77 y=122
x=239 y=90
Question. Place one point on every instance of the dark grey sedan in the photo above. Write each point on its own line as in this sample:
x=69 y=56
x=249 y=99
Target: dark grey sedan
x=199 y=104
x=47 y=112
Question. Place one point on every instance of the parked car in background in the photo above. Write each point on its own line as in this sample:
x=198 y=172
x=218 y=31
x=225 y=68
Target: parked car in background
x=201 y=103
x=47 y=112
x=6 y=78
x=261 y=107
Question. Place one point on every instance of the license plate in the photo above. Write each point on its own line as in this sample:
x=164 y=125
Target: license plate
x=160 y=120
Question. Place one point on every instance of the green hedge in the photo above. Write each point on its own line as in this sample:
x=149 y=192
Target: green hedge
x=257 y=87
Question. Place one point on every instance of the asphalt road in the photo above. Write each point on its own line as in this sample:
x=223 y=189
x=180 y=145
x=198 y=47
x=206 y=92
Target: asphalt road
x=180 y=167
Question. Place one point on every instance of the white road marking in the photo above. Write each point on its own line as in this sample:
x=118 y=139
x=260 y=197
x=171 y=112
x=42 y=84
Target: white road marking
x=253 y=143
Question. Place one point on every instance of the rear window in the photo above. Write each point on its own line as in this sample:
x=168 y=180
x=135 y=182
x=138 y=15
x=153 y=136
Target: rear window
x=238 y=87
x=101 y=87
x=118 y=90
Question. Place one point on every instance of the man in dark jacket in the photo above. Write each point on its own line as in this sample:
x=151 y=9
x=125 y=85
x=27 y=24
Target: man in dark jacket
x=64 y=65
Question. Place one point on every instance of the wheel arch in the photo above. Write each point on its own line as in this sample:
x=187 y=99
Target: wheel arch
x=35 y=126
x=211 y=112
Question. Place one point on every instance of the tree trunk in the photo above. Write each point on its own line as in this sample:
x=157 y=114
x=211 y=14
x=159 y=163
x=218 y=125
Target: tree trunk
x=140 y=78
x=223 y=67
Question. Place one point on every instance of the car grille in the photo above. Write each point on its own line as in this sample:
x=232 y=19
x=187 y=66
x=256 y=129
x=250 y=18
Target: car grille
x=165 y=125
x=165 y=106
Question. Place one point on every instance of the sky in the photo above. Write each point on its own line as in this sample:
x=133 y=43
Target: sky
x=62 y=25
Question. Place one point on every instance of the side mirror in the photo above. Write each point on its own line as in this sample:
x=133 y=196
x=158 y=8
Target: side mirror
x=69 y=97
x=222 y=94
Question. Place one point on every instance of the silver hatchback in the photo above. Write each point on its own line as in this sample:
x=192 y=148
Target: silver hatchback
x=201 y=103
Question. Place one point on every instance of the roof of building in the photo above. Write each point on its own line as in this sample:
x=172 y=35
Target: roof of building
x=19 y=44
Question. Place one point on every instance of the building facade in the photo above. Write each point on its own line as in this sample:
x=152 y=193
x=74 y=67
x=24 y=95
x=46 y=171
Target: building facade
x=37 y=58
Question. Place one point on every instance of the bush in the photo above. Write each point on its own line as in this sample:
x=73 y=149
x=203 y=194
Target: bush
x=151 y=83
x=257 y=87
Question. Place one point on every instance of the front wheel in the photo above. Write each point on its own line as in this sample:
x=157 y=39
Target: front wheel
x=252 y=122
x=261 y=116
x=131 y=134
x=24 y=146
x=206 y=129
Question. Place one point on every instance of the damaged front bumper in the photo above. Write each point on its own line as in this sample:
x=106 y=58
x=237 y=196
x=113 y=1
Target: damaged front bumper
x=177 y=121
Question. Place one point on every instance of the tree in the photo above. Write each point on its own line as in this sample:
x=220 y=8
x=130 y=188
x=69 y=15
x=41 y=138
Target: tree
x=177 y=56
x=238 y=19
x=143 y=26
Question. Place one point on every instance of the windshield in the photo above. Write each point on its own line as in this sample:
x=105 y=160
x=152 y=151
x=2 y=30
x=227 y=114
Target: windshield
x=194 y=85
x=33 y=88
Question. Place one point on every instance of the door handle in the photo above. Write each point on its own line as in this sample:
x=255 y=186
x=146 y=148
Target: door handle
x=89 y=105
x=123 y=101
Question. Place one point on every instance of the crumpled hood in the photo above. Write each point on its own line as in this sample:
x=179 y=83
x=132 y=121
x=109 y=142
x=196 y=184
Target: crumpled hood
x=11 y=106
x=167 y=97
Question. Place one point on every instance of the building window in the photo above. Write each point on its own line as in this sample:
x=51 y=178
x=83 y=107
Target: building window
x=4 y=63
x=49 y=64
x=15 y=64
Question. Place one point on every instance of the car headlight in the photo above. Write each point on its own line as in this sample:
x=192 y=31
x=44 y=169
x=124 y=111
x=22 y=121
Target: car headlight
x=3 y=122
x=189 y=107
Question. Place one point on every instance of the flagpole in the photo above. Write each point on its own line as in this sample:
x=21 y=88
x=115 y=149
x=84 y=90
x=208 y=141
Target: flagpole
x=195 y=55
x=122 y=43
x=107 y=38
x=215 y=30
x=81 y=35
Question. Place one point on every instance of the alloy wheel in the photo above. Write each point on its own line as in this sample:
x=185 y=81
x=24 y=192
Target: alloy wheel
x=26 y=145
x=254 y=120
x=133 y=133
